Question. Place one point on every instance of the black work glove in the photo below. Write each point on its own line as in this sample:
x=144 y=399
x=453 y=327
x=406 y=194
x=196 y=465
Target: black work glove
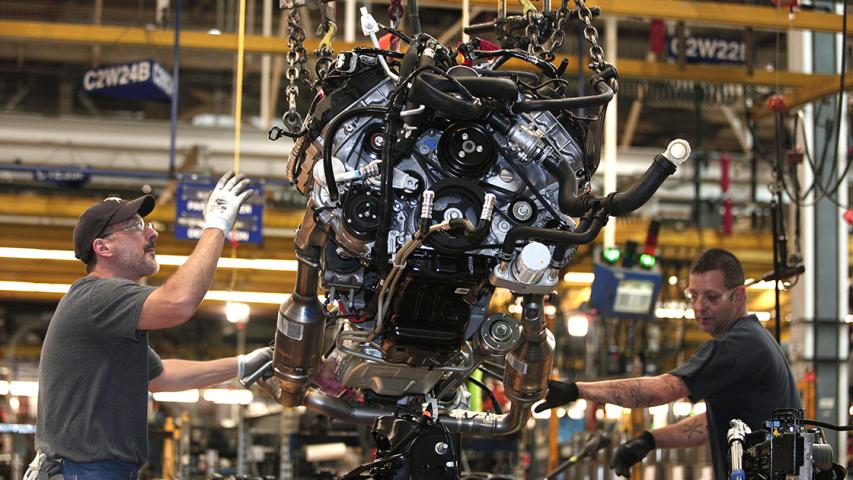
x=254 y=365
x=631 y=452
x=559 y=393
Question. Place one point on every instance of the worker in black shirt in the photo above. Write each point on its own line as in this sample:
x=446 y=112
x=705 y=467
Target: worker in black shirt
x=740 y=373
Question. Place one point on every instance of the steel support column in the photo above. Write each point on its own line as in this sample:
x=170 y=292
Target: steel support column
x=819 y=301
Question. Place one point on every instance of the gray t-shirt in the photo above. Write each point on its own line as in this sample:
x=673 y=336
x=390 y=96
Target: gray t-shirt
x=94 y=372
x=741 y=374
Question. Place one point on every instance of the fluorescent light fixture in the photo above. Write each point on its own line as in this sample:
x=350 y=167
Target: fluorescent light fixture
x=228 y=396
x=237 y=312
x=185 y=396
x=612 y=412
x=579 y=277
x=170 y=260
x=550 y=310
x=762 y=316
x=34 y=287
x=578 y=325
x=247 y=297
x=20 y=388
x=215 y=295
x=681 y=408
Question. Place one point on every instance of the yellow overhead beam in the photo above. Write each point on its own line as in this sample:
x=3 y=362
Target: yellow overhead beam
x=135 y=36
x=815 y=90
x=713 y=13
x=628 y=68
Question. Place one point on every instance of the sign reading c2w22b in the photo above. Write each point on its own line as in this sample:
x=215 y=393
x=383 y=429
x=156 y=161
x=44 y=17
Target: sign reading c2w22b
x=139 y=80
x=189 y=215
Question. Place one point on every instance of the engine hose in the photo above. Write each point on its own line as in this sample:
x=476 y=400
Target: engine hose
x=495 y=87
x=605 y=94
x=424 y=93
x=570 y=204
x=520 y=74
x=332 y=128
x=546 y=67
x=558 y=237
x=473 y=233
x=623 y=203
x=392 y=125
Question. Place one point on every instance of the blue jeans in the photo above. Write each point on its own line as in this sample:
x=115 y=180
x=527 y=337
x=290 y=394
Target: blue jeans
x=104 y=470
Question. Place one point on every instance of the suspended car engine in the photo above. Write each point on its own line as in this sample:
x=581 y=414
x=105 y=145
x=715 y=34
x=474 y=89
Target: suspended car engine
x=430 y=182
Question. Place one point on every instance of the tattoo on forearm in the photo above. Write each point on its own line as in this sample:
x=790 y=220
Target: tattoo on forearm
x=626 y=393
x=694 y=429
x=639 y=396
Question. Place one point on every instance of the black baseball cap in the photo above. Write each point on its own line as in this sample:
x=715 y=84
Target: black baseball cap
x=95 y=219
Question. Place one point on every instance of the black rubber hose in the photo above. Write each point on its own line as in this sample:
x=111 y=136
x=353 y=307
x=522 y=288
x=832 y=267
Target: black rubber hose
x=569 y=202
x=546 y=67
x=328 y=169
x=495 y=87
x=473 y=233
x=557 y=237
x=605 y=94
x=392 y=125
x=623 y=203
x=456 y=108
x=520 y=74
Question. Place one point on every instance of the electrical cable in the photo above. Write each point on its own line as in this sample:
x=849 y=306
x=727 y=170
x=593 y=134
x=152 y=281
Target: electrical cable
x=837 y=428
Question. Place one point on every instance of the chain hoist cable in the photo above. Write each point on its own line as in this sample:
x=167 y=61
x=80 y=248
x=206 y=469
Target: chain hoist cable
x=297 y=71
x=596 y=53
x=326 y=31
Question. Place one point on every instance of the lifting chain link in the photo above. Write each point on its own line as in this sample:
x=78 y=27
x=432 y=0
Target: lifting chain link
x=326 y=31
x=297 y=59
x=596 y=53
x=559 y=35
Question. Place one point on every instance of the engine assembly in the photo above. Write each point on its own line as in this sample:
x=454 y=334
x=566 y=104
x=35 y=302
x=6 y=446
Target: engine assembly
x=785 y=449
x=430 y=182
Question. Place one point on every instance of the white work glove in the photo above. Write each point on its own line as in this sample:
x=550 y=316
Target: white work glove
x=225 y=200
x=254 y=365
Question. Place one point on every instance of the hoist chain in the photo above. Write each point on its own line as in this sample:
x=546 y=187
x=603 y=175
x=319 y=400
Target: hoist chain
x=297 y=71
x=596 y=53
x=326 y=31
x=559 y=35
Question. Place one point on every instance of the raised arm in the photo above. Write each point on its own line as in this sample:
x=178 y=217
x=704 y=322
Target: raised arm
x=175 y=301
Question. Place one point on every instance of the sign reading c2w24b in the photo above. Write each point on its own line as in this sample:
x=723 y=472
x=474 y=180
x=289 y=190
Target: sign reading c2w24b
x=139 y=80
x=189 y=215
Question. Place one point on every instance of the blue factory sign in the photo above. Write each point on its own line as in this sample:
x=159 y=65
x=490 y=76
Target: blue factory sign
x=708 y=50
x=139 y=80
x=63 y=176
x=189 y=214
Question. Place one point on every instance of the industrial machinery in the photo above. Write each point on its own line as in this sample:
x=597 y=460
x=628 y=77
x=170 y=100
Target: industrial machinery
x=784 y=450
x=433 y=177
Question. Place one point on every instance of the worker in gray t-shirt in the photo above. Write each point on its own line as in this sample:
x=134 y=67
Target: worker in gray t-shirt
x=740 y=373
x=96 y=367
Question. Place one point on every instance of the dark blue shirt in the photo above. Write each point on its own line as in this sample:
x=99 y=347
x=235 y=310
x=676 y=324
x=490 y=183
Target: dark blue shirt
x=741 y=374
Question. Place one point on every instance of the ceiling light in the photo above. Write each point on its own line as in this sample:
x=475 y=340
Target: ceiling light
x=185 y=396
x=237 y=312
x=214 y=295
x=170 y=260
x=228 y=396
